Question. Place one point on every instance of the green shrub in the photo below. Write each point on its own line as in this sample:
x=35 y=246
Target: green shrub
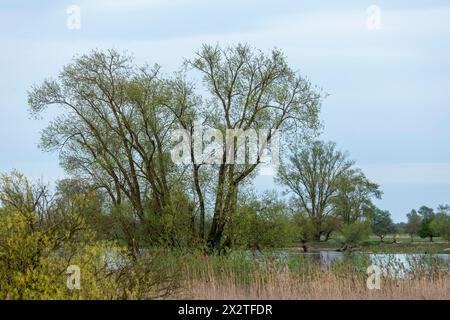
x=354 y=234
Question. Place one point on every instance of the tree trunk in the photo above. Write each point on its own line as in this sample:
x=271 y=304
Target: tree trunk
x=201 y=202
x=305 y=247
x=216 y=226
x=221 y=216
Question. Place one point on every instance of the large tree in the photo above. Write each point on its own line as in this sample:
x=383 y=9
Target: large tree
x=113 y=130
x=117 y=122
x=249 y=89
x=312 y=174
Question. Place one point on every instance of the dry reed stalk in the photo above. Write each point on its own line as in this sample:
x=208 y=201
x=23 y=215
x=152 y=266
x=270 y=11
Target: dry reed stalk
x=322 y=285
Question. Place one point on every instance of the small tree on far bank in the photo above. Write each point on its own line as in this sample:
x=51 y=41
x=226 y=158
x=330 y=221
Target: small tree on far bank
x=382 y=224
x=414 y=223
x=428 y=216
x=353 y=234
x=441 y=223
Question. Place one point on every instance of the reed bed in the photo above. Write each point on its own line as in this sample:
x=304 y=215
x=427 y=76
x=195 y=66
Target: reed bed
x=243 y=277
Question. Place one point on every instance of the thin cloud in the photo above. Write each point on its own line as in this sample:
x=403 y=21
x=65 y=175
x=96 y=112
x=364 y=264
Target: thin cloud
x=121 y=6
x=409 y=173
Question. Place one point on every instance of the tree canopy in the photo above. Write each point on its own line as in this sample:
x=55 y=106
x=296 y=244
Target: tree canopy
x=117 y=122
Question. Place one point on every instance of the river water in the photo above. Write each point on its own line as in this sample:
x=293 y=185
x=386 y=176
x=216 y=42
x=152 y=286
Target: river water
x=396 y=264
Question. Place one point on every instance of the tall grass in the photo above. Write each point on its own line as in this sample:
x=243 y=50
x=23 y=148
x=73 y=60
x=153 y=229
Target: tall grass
x=243 y=276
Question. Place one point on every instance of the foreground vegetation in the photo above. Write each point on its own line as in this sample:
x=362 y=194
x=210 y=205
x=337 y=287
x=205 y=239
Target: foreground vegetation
x=141 y=225
x=212 y=277
x=39 y=239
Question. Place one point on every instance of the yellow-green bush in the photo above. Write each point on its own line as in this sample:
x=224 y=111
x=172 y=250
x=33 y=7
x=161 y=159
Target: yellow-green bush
x=41 y=236
x=33 y=265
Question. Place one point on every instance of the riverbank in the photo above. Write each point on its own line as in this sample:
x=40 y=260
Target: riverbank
x=389 y=245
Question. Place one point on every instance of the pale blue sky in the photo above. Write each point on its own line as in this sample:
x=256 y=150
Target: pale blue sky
x=389 y=104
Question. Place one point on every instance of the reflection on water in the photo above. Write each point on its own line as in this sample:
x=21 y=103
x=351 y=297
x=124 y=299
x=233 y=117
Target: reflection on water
x=329 y=256
x=396 y=264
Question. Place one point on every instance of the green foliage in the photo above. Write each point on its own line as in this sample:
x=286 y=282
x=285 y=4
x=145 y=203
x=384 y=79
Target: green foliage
x=441 y=225
x=117 y=120
x=428 y=216
x=426 y=212
x=41 y=235
x=330 y=224
x=414 y=223
x=311 y=175
x=382 y=223
x=263 y=222
x=425 y=230
x=306 y=228
x=33 y=262
x=354 y=234
x=354 y=197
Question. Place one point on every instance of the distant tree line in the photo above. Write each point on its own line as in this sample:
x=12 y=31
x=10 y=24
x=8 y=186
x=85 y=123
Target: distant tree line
x=428 y=223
